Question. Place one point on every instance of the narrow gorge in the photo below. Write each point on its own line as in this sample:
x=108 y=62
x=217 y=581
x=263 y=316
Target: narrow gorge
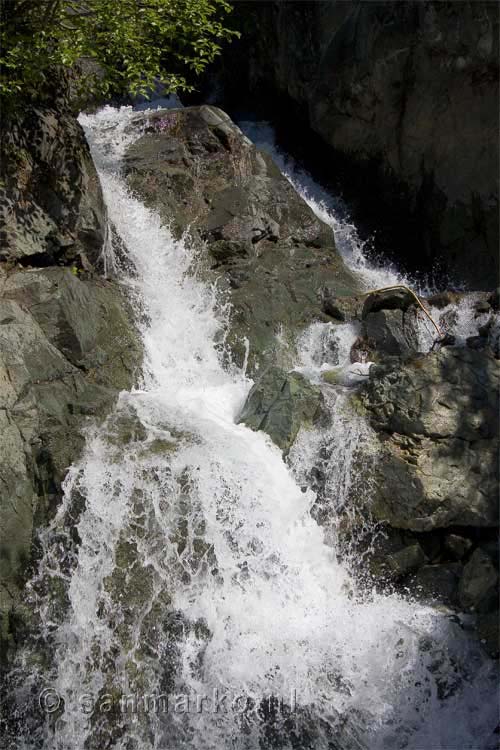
x=249 y=460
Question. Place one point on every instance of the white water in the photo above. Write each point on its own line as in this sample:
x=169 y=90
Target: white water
x=327 y=207
x=220 y=534
x=460 y=320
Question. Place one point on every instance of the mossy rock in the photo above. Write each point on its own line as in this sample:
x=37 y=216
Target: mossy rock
x=279 y=404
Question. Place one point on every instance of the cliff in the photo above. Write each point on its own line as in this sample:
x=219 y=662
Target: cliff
x=405 y=99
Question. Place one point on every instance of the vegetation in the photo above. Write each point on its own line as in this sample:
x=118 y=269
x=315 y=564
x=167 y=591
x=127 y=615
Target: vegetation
x=123 y=46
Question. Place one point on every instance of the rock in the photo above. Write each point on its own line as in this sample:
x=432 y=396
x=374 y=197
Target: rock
x=390 y=299
x=402 y=93
x=67 y=348
x=331 y=306
x=391 y=332
x=400 y=563
x=476 y=342
x=457 y=546
x=280 y=404
x=68 y=344
x=451 y=393
x=494 y=299
x=261 y=241
x=436 y=418
x=444 y=299
x=437 y=583
x=51 y=206
x=478 y=585
x=488 y=625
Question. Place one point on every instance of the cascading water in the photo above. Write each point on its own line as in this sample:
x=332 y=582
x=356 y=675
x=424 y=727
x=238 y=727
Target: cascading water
x=327 y=207
x=199 y=570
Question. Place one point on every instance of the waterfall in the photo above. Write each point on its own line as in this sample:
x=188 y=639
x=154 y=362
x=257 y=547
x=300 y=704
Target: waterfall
x=200 y=570
x=329 y=208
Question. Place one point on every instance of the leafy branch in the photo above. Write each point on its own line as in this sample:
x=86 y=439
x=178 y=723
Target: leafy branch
x=131 y=43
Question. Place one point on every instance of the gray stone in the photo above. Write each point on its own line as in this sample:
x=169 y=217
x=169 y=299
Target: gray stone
x=392 y=332
x=280 y=404
x=390 y=299
x=457 y=546
x=67 y=348
x=406 y=560
x=488 y=625
x=479 y=583
x=267 y=249
x=51 y=205
x=68 y=345
x=437 y=583
x=436 y=418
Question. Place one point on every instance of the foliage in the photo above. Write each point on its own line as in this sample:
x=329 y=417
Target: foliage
x=125 y=45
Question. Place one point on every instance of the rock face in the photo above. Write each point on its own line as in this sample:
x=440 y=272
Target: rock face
x=434 y=483
x=51 y=206
x=67 y=341
x=479 y=582
x=408 y=92
x=280 y=404
x=263 y=244
x=436 y=417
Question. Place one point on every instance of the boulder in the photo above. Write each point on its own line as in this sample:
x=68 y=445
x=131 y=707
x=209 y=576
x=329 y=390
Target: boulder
x=487 y=625
x=68 y=344
x=453 y=393
x=478 y=587
x=436 y=421
x=387 y=299
x=391 y=332
x=280 y=403
x=437 y=583
x=406 y=560
x=260 y=241
x=457 y=546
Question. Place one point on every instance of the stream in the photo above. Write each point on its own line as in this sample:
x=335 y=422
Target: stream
x=204 y=607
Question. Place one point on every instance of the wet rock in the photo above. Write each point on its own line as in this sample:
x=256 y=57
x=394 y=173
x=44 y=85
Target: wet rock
x=457 y=546
x=444 y=299
x=477 y=342
x=406 y=560
x=436 y=418
x=390 y=299
x=67 y=348
x=391 y=332
x=280 y=404
x=331 y=306
x=494 y=299
x=68 y=345
x=478 y=585
x=437 y=583
x=267 y=249
x=350 y=375
x=488 y=625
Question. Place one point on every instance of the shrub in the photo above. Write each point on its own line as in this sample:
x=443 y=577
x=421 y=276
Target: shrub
x=131 y=44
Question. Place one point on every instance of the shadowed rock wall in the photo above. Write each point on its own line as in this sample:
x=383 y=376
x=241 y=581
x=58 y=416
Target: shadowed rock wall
x=407 y=92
